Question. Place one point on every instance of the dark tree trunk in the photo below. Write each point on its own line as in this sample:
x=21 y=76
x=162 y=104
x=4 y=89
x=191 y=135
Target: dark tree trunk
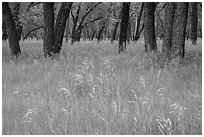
x=11 y=30
x=179 y=29
x=168 y=29
x=93 y=35
x=124 y=26
x=17 y=21
x=99 y=34
x=129 y=32
x=48 y=41
x=149 y=28
x=114 y=31
x=4 y=33
x=137 y=34
x=75 y=20
x=193 y=21
x=60 y=25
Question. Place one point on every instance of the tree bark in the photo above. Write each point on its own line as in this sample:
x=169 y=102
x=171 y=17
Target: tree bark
x=75 y=20
x=4 y=33
x=67 y=28
x=114 y=31
x=149 y=28
x=168 y=29
x=136 y=36
x=179 y=29
x=48 y=41
x=124 y=26
x=193 y=21
x=99 y=34
x=17 y=21
x=60 y=25
x=11 y=30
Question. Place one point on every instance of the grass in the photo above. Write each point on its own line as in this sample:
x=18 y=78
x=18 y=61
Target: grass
x=92 y=89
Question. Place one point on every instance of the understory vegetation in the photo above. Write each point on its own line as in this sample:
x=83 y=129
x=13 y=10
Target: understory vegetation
x=91 y=89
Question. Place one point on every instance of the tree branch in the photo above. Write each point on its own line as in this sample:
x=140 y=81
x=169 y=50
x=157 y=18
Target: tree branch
x=32 y=31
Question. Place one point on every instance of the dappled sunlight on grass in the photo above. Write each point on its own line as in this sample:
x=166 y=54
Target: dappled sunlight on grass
x=92 y=89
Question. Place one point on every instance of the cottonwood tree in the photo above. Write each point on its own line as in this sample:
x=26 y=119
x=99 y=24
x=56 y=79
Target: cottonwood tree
x=116 y=18
x=175 y=29
x=168 y=29
x=48 y=41
x=137 y=24
x=11 y=30
x=193 y=21
x=79 y=18
x=149 y=28
x=16 y=14
x=60 y=25
x=53 y=34
x=4 y=33
x=179 y=29
x=124 y=26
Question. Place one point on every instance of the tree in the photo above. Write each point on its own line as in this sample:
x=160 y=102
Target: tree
x=79 y=19
x=193 y=21
x=4 y=33
x=16 y=9
x=179 y=29
x=60 y=25
x=168 y=29
x=48 y=41
x=11 y=30
x=124 y=26
x=149 y=28
x=137 y=31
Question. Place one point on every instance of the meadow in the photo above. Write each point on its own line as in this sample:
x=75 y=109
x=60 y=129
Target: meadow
x=91 y=89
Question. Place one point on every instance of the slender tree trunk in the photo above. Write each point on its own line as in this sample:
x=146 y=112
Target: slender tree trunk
x=4 y=33
x=60 y=25
x=48 y=41
x=136 y=36
x=11 y=30
x=124 y=26
x=75 y=20
x=99 y=34
x=114 y=31
x=129 y=32
x=149 y=28
x=67 y=28
x=168 y=29
x=193 y=21
x=179 y=29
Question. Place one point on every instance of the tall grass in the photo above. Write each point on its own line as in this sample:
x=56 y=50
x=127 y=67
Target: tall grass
x=91 y=89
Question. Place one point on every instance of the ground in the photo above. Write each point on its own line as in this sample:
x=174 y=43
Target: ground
x=91 y=89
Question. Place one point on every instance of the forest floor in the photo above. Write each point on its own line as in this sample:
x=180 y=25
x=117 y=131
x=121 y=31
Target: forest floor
x=91 y=89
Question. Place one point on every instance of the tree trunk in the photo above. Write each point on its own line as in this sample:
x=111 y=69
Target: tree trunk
x=99 y=34
x=114 y=31
x=60 y=25
x=179 y=29
x=48 y=41
x=17 y=21
x=168 y=30
x=129 y=32
x=124 y=26
x=193 y=21
x=136 y=36
x=67 y=28
x=4 y=33
x=11 y=30
x=149 y=28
